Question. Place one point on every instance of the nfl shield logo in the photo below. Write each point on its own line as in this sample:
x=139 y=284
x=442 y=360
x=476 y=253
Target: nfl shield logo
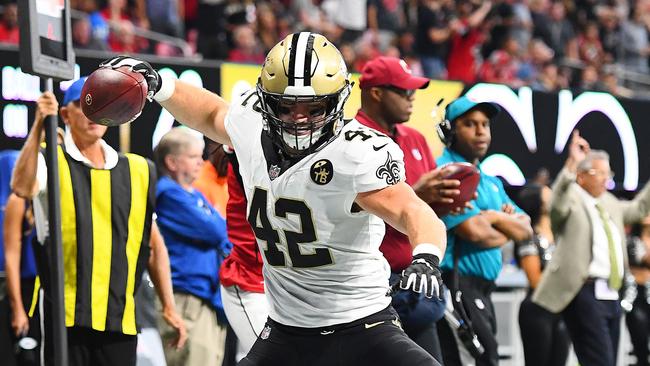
x=274 y=171
x=265 y=332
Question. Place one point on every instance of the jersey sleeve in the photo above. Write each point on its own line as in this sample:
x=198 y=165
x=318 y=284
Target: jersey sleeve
x=379 y=168
x=242 y=119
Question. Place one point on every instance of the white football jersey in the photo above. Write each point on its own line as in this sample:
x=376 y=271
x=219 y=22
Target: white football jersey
x=322 y=264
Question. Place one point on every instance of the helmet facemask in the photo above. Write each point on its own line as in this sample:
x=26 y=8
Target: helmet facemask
x=324 y=120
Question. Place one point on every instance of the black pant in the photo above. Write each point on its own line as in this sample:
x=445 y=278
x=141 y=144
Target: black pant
x=594 y=326
x=88 y=347
x=544 y=335
x=375 y=340
x=478 y=305
x=638 y=323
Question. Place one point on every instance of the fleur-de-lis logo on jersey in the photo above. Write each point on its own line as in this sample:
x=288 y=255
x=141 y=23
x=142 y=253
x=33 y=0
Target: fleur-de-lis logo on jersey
x=322 y=172
x=389 y=171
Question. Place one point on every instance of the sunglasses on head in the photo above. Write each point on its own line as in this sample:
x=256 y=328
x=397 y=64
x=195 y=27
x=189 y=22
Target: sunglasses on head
x=404 y=93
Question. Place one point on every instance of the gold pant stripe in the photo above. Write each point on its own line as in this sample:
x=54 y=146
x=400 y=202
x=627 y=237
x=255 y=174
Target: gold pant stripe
x=69 y=239
x=139 y=171
x=100 y=203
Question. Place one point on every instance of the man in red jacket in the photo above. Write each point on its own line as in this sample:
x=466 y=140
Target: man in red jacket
x=387 y=93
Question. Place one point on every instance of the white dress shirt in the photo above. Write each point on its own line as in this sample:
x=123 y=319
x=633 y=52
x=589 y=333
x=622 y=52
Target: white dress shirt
x=600 y=266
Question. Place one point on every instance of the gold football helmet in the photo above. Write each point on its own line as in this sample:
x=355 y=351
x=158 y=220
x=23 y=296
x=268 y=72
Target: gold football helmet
x=303 y=69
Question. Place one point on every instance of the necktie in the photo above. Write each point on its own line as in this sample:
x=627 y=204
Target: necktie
x=615 y=280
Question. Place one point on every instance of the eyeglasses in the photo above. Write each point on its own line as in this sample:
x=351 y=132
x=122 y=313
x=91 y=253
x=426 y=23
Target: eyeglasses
x=404 y=93
x=600 y=173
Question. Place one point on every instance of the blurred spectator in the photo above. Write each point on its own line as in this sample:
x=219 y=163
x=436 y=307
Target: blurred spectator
x=21 y=272
x=211 y=24
x=212 y=180
x=366 y=49
x=164 y=17
x=588 y=78
x=98 y=24
x=544 y=334
x=547 y=78
x=466 y=37
x=247 y=49
x=267 y=27
x=350 y=17
x=195 y=234
x=561 y=36
x=405 y=42
x=504 y=65
x=498 y=27
x=432 y=36
x=635 y=41
x=310 y=17
x=122 y=32
x=609 y=83
x=349 y=56
x=386 y=18
x=590 y=49
x=9 y=24
x=82 y=35
x=611 y=36
x=522 y=23
x=638 y=320
x=7 y=161
x=539 y=53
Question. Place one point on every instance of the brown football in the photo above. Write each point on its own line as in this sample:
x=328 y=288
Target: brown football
x=112 y=97
x=469 y=177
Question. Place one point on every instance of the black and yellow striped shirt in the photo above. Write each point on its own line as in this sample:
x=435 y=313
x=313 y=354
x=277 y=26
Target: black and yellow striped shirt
x=106 y=219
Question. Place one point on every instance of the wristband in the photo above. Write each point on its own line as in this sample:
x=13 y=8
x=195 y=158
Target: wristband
x=167 y=87
x=427 y=248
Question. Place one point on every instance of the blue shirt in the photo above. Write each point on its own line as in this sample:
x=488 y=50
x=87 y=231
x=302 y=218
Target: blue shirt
x=195 y=236
x=474 y=259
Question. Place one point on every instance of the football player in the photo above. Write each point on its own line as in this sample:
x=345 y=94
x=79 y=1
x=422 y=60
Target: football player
x=318 y=190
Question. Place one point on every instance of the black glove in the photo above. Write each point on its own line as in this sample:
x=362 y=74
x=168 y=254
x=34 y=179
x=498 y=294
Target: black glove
x=143 y=67
x=423 y=275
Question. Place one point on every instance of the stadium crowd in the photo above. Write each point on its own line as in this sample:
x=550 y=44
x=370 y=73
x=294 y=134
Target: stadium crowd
x=548 y=45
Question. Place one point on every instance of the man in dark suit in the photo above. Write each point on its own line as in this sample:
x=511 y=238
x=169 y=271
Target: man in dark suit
x=584 y=276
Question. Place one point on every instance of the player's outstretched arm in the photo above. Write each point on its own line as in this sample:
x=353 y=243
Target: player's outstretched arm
x=195 y=107
x=399 y=206
x=198 y=108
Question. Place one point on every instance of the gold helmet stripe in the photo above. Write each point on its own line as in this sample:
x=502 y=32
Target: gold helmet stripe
x=300 y=58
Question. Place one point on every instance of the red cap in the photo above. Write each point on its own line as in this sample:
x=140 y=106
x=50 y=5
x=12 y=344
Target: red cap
x=390 y=71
